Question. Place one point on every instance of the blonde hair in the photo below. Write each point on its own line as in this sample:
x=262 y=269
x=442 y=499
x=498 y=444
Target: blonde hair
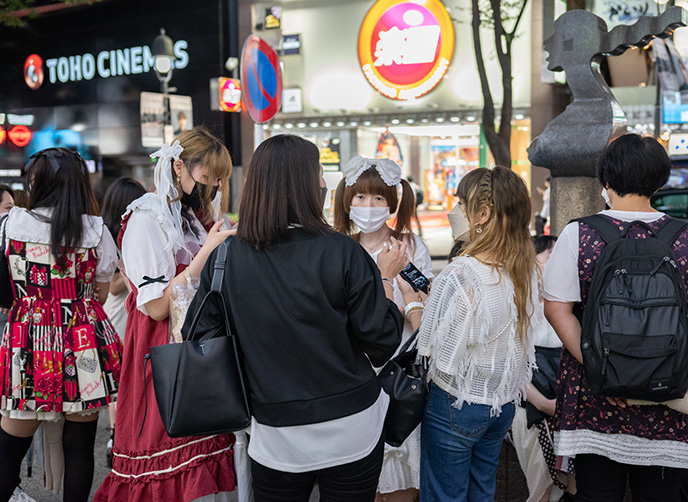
x=202 y=148
x=505 y=236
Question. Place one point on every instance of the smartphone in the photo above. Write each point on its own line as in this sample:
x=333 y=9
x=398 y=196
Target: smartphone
x=415 y=278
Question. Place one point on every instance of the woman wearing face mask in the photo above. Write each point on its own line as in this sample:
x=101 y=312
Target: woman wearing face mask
x=364 y=199
x=166 y=238
x=476 y=334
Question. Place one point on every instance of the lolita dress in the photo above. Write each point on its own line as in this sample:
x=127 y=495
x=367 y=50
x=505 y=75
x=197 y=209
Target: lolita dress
x=401 y=465
x=148 y=465
x=59 y=352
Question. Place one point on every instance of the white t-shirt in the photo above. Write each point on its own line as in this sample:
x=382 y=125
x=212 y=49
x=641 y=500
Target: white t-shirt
x=561 y=282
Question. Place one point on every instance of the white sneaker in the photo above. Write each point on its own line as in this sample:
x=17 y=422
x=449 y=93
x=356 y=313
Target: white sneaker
x=20 y=496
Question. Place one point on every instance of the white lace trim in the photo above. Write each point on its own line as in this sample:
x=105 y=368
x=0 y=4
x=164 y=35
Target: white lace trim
x=622 y=448
x=165 y=452
x=170 y=468
x=22 y=225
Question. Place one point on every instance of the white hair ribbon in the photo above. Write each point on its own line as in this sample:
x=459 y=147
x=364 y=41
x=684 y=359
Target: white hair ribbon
x=389 y=171
x=164 y=185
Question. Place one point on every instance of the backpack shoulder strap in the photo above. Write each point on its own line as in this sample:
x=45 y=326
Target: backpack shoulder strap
x=602 y=226
x=671 y=230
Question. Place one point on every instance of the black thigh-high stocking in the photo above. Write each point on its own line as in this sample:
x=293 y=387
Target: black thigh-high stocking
x=12 y=451
x=78 y=440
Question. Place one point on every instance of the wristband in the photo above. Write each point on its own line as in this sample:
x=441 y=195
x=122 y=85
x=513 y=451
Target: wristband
x=384 y=279
x=413 y=306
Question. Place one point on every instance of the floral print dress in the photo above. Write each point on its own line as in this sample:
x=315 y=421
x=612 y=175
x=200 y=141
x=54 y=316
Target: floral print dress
x=59 y=351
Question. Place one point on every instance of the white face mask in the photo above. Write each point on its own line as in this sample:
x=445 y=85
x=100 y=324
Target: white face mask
x=459 y=223
x=369 y=219
x=606 y=198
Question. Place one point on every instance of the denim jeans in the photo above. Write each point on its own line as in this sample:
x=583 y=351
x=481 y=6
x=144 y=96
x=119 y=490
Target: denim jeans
x=460 y=449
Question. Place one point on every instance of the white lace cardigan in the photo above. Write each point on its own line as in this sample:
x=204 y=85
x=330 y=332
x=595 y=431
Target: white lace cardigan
x=468 y=332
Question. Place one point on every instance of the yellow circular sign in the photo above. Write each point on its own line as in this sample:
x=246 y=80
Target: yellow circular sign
x=405 y=47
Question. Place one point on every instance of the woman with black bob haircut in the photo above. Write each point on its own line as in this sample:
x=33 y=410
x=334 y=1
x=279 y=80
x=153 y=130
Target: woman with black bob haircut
x=60 y=357
x=634 y=164
x=613 y=442
x=310 y=310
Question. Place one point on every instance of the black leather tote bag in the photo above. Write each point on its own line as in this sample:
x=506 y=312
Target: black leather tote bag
x=6 y=290
x=199 y=384
x=404 y=381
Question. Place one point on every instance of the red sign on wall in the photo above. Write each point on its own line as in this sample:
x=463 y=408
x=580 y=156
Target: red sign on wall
x=2 y=135
x=405 y=47
x=20 y=135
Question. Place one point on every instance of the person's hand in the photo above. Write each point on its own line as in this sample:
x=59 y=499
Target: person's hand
x=548 y=406
x=216 y=236
x=618 y=401
x=392 y=259
x=406 y=290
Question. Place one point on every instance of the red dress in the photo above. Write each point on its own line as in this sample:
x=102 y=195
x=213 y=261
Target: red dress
x=155 y=467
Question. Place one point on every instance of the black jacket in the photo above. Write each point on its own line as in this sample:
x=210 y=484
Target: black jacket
x=306 y=313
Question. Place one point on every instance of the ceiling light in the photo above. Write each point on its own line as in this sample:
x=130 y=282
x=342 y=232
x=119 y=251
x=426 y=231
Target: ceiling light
x=301 y=125
x=439 y=119
x=313 y=124
x=519 y=116
x=327 y=124
x=454 y=119
x=288 y=125
x=353 y=123
x=410 y=121
x=341 y=123
x=367 y=123
x=471 y=118
x=395 y=121
x=277 y=126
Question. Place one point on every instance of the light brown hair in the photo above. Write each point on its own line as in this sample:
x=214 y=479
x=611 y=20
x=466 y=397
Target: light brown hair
x=505 y=236
x=203 y=149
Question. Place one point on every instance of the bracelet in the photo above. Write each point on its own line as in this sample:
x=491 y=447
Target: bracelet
x=384 y=279
x=412 y=307
x=411 y=311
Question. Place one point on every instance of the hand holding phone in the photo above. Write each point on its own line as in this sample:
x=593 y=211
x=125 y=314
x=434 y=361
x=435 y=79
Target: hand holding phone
x=415 y=278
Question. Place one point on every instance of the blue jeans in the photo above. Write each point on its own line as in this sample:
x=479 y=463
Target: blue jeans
x=459 y=449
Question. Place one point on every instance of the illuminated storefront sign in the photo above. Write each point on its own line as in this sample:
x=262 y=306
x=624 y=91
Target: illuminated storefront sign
x=230 y=94
x=405 y=47
x=105 y=64
x=2 y=135
x=20 y=135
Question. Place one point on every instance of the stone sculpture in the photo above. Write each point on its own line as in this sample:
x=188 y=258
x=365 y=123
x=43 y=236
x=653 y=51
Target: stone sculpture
x=572 y=142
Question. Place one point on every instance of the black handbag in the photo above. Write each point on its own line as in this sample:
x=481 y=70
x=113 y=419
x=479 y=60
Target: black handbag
x=404 y=381
x=199 y=384
x=544 y=379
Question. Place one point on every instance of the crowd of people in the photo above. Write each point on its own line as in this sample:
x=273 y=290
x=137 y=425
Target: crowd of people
x=317 y=311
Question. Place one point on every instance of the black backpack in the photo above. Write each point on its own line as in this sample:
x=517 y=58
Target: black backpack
x=634 y=336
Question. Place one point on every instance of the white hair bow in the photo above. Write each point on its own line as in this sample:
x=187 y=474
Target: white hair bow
x=389 y=171
x=164 y=185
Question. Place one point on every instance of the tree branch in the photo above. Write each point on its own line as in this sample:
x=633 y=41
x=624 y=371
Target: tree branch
x=488 y=103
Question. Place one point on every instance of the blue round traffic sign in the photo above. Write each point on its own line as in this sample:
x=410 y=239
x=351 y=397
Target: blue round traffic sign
x=261 y=77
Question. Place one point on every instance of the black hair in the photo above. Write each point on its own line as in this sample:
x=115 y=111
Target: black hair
x=634 y=164
x=59 y=180
x=282 y=188
x=120 y=194
x=543 y=243
x=4 y=188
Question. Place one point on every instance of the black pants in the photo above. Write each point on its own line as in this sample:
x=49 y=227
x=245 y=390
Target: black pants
x=599 y=479
x=354 y=482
